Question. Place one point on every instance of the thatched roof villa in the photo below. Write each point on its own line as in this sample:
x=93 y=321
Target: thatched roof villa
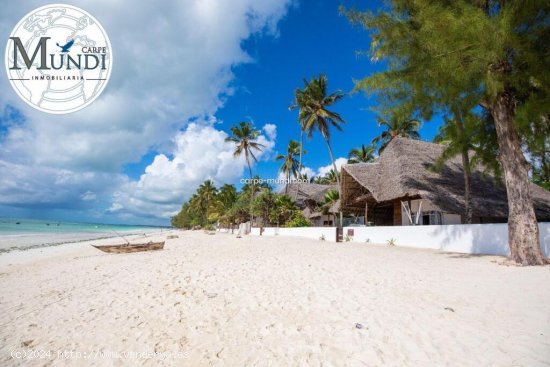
x=308 y=197
x=400 y=183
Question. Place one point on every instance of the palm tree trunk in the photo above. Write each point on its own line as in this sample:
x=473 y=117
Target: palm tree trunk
x=301 y=150
x=466 y=168
x=287 y=182
x=523 y=230
x=251 y=191
x=337 y=177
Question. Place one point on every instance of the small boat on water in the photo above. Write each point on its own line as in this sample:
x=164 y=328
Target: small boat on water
x=134 y=247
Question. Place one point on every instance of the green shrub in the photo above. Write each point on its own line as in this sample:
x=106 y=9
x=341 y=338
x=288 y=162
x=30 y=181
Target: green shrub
x=298 y=220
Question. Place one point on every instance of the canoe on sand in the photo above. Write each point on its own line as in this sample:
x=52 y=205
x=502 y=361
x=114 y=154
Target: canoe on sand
x=135 y=247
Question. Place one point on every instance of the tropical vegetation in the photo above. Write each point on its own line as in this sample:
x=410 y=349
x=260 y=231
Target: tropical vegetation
x=480 y=66
x=228 y=207
x=488 y=55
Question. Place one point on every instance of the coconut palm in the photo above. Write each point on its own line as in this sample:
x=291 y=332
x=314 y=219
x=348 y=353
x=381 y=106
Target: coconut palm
x=319 y=180
x=243 y=136
x=226 y=198
x=331 y=177
x=331 y=198
x=364 y=154
x=313 y=101
x=299 y=100
x=407 y=128
x=204 y=199
x=290 y=164
x=284 y=209
x=303 y=176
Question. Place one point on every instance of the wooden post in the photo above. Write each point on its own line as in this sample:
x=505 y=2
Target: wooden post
x=366 y=212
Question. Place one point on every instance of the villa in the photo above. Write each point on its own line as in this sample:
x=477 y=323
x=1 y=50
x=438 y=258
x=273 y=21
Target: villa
x=401 y=188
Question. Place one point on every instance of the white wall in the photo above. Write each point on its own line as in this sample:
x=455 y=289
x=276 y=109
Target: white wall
x=470 y=239
x=308 y=232
x=452 y=218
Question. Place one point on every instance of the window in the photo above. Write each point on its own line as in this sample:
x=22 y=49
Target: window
x=429 y=218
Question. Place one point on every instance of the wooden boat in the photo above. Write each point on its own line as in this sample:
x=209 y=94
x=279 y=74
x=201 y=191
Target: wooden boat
x=134 y=247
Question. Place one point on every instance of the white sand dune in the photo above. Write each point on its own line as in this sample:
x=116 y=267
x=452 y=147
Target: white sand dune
x=214 y=300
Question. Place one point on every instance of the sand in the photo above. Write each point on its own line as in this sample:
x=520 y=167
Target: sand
x=215 y=300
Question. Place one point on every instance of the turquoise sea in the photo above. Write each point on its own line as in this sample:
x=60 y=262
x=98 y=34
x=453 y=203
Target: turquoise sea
x=24 y=226
x=29 y=233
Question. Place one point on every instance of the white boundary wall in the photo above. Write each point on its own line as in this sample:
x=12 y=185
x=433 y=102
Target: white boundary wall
x=308 y=232
x=466 y=238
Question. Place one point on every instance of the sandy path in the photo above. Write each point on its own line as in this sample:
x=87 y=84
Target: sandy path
x=218 y=300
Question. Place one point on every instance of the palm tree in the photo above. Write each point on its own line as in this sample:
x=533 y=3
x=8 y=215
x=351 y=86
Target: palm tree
x=299 y=101
x=331 y=177
x=290 y=164
x=331 y=198
x=364 y=154
x=313 y=101
x=227 y=197
x=243 y=136
x=303 y=176
x=284 y=208
x=206 y=195
x=407 y=128
x=319 y=180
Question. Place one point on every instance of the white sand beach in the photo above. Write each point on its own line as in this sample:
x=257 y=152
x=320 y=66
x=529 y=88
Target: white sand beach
x=215 y=300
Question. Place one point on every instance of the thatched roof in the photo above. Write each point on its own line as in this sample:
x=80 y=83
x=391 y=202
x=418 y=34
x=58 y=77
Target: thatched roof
x=403 y=171
x=310 y=194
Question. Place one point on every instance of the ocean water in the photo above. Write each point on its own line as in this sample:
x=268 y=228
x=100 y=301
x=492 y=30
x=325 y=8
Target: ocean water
x=29 y=233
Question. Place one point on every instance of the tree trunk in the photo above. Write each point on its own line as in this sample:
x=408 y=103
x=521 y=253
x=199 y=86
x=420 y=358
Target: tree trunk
x=466 y=168
x=467 y=187
x=544 y=166
x=251 y=190
x=523 y=230
x=337 y=179
x=301 y=150
x=287 y=182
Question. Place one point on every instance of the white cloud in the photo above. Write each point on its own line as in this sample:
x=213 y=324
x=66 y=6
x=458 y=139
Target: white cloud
x=88 y=196
x=200 y=153
x=321 y=171
x=270 y=131
x=308 y=171
x=52 y=187
x=172 y=63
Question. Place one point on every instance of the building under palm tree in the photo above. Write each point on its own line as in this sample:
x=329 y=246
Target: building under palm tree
x=310 y=198
x=401 y=188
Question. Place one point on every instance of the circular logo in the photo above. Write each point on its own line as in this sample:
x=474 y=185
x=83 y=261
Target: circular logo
x=58 y=58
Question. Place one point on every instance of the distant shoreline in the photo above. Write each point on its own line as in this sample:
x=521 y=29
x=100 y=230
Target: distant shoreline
x=32 y=240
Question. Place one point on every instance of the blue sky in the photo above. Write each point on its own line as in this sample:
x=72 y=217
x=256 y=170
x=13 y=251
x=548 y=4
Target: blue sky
x=137 y=163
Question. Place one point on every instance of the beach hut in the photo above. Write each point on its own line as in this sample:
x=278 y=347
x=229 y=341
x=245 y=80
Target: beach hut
x=402 y=188
x=309 y=197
